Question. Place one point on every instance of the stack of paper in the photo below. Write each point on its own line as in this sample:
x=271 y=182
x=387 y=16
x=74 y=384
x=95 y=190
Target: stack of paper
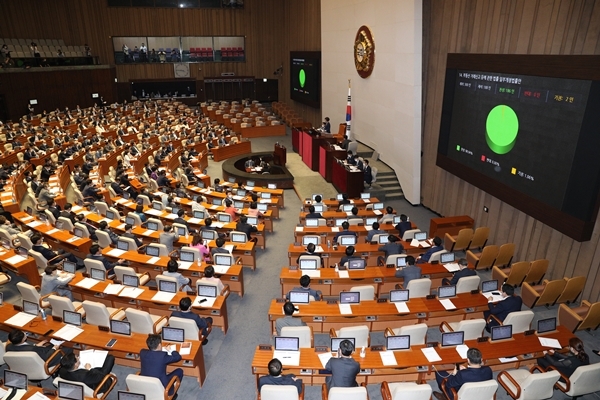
x=448 y=304
x=229 y=247
x=220 y=269
x=313 y=273
x=344 y=274
x=431 y=354
x=345 y=309
x=388 y=358
x=153 y=260
x=68 y=332
x=20 y=319
x=131 y=292
x=73 y=239
x=335 y=229
x=299 y=228
x=325 y=357
x=116 y=253
x=549 y=342
x=113 y=288
x=33 y=224
x=319 y=249
x=402 y=307
x=291 y=358
x=15 y=259
x=163 y=297
x=87 y=283
x=148 y=232
x=95 y=358
x=462 y=349
x=210 y=301
x=185 y=349
x=452 y=267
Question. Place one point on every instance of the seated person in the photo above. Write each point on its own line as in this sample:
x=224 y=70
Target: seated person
x=220 y=242
x=312 y=213
x=198 y=243
x=343 y=367
x=318 y=200
x=139 y=210
x=72 y=370
x=172 y=271
x=349 y=256
x=310 y=251
x=504 y=307
x=409 y=272
x=288 y=319
x=464 y=271
x=154 y=361
x=51 y=256
x=56 y=281
x=243 y=226
x=403 y=225
x=103 y=227
x=344 y=232
x=388 y=217
x=474 y=372
x=305 y=287
x=253 y=211
x=276 y=378
x=131 y=235
x=566 y=364
x=91 y=229
x=185 y=311
x=17 y=341
x=96 y=254
x=437 y=246
x=391 y=248
x=344 y=200
x=208 y=227
x=374 y=231
x=230 y=209
x=209 y=277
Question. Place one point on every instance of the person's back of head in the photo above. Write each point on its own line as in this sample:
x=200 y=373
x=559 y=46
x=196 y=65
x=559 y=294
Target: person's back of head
x=153 y=341
x=305 y=281
x=354 y=211
x=437 y=241
x=375 y=226
x=275 y=367
x=311 y=209
x=207 y=221
x=68 y=361
x=167 y=228
x=318 y=199
x=185 y=304
x=172 y=266
x=181 y=213
x=463 y=263
x=94 y=249
x=389 y=210
x=209 y=271
x=16 y=336
x=311 y=248
x=49 y=269
x=410 y=260
x=349 y=250
x=345 y=225
x=288 y=308
x=243 y=219
x=474 y=356
x=508 y=289
x=392 y=238
x=403 y=217
x=346 y=348
x=128 y=227
x=220 y=242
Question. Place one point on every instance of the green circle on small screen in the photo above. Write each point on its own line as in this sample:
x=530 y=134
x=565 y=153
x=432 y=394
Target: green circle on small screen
x=302 y=77
x=501 y=128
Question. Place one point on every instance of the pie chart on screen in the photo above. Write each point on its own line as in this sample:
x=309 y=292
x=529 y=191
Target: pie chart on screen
x=501 y=129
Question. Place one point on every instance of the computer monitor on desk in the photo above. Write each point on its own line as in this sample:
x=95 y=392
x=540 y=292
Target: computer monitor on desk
x=152 y=251
x=399 y=295
x=209 y=234
x=489 y=286
x=206 y=290
x=349 y=297
x=131 y=280
x=223 y=259
x=365 y=196
x=15 y=380
x=356 y=263
x=453 y=338
x=445 y=292
x=187 y=256
x=69 y=266
x=272 y=186
x=122 y=245
x=199 y=214
x=378 y=206
x=400 y=262
x=370 y=221
x=546 y=325
x=173 y=334
x=120 y=327
x=110 y=215
x=98 y=274
x=70 y=391
x=29 y=307
x=299 y=297
x=153 y=226
x=383 y=239
x=262 y=207
x=307 y=264
x=130 y=396
x=167 y=286
x=238 y=237
x=335 y=343
x=71 y=318
x=347 y=240
x=312 y=222
x=347 y=207
x=502 y=332
x=447 y=258
x=130 y=221
x=306 y=240
x=420 y=236
x=318 y=208
x=401 y=342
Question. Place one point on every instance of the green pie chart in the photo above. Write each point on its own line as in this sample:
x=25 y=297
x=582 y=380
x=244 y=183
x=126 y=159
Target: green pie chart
x=302 y=77
x=501 y=129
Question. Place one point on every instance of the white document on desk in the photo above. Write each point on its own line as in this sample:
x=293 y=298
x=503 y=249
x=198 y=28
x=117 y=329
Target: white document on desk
x=452 y=267
x=319 y=249
x=185 y=348
x=20 y=393
x=388 y=358
x=263 y=201
x=164 y=297
x=210 y=301
x=153 y=212
x=131 y=292
x=95 y=358
x=424 y=244
x=73 y=239
x=20 y=319
x=153 y=260
x=325 y=357
x=121 y=201
x=184 y=264
x=495 y=297
x=509 y=359
x=68 y=332
x=431 y=354
x=52 y=231
x=377 y=212
x=221 y=269
x=313 y=273
x=171 y=216
x=148 y=232
x=291 y=358
x=229 y=247
x=344 y=274
x=549 y=342
x=113 y=288
x=462 y=349
x=116 y=253
x=195 y=221
x=448 y=304
x=33 y=224
x=15 y=259
x=414 y=243
x=335 y=229
x=299 y=229
x=87 y=283
x=345 y=309
x=402 y=307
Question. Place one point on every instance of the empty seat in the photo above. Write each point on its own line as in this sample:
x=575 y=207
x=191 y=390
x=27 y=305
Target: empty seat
x=152 y=387
x=513 y=275
x=100 y=315
x=459 y=242
x=520 y=320
x=536 y=272
x=344 y=393
x=367 y=292
x=572 y=290
x=467 y=283
x=545 y=294
x=280 y=392
x=417 y=332
x=522 y=384
x=586 y=316
x=144 y=322
x=505 y=255
x=473 y=328
x=405 y=390
x=480 y=237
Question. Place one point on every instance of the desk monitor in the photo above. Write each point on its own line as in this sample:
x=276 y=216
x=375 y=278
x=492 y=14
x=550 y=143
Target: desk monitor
x=272 y=186
x=446 y=291
x=29 y=210
x=356 y=263
x=130 y=396
x=123 y=245
x=335 y=342
x=489 y=286
x=125 y=195
x=383 y=239
x=110 y=214
x=223 y=259
x=30 y=307
x=250 y=183
x=131 y=280
x=200 y=184
x=224 y=217
x=187 y=256
x=157 y=206
x=206 y=290
x=308 y=263
x=453 y=338
x=69 y=266
x=175 y=210
x=43 y=218
x=241 y=192
x=209 y=234
x=252 y=220
x=299 y=297
x=347 y=207
x=78 y=232
x=262 y=207
x=238 y=237
x=22 y=251
x=173 y=334
x=312 y=222
x=398 y=295
x=546 y=325
x=347 y=240
x=420 y=236
x=238 y=204
x=216 y=201
x=120 y=327
x=502 y=332
x=339 y=197
x=306 y=240
x=318 y=208
x=70 y=391
x=98 y=274
x=59 y=225
x=181 y=230
x=167 y=286
x=231 y=180
x=365 y=196
x=349 y=297
x=199 y=214
x=378 y=206
x=153 y=226
x=396 y=220
x=130 y=221
x=140 y=201
x=265 y=195
x=152 y=251
x=284 y=343
x=15 y=380
x=370 y=221
x=401 y=262
x=315 y=195
x=1 y=298
x=447 y=258
x=71 y=317
x=340 y=221
x=401 y=342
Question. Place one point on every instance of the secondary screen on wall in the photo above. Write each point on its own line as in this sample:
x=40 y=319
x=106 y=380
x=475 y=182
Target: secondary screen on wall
x=525 y=138
x=305 y=77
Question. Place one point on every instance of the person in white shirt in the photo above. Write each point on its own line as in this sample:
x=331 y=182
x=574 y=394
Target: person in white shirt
x=209 y=278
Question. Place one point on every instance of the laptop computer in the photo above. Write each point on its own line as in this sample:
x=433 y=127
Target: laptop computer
x=365 y=196
x=547 y=325
x=152 y=251
x=29 y=307
x=153 y=226
x=306 y=240
x=453 y=338
x=502 y=332
x=356 y=263
x=349 y=297
x=70 y=391
x=206 y=290
x=120 y=327
x=383 y=239
x=347 y=240
x=284 y=343
x=445 y=292
x=308 y=264
x=122 y=245
x=401 y=342
x=71 y=318
x=335 y=343
x=69 y=266
x=299 y=297
x=400 y=262
x=339 y=197
x=399 y=295
x=98 y=274
x=312 y=222
x=167 y=286
x=131 y=280
x=130 y=396
x=173 y=334
x=223 y=259
x=252 y=220
x=489 y=286
x=447 y=258
x=238 y=237
x=15 y=380
x=420 y=236
x=187 y=256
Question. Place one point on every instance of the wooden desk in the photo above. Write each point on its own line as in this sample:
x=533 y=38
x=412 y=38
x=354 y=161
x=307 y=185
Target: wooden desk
x=126 y=349
x=225 y=152
x=311 y=141
x=346 y=181
x=333 y=204
x=373 y=371
x=327 y=156
x=26 y=268
x=328 y=232
x=450 y=225
x=279 y=154
x=331 y=215
x=378 y=316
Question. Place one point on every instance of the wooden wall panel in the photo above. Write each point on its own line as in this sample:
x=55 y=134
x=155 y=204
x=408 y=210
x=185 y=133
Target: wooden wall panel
x=568 y=27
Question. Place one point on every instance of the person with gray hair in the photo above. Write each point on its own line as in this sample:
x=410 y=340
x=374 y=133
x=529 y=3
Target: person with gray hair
x=475 y=371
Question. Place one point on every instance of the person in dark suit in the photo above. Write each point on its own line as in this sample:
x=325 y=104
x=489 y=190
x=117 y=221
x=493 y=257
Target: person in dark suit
x=502 y=308
x=462 y=273
x=305 y=287
x=67 y=213
x=96 y=254
x=437 y=246
x=351 y=158
x=275 y=377
x=129 y=234
x=243 y=226
x=566 y=364
x=345 y=232
x=17 y=341
x=344 y=200
x=409 y=272
x=52 y=257
x=368 y=174
x=327 y=125
x=392 y=247
x=310 y=251
x=344 y=144
x=180 y=220
x=53 y=208
x=116 y=188
x=204 y=324
x=349 y=256
x=154 y=361
x=343 y=368
x=312 y=213
x=474 y=372
x=72 y=370
x=403 y=225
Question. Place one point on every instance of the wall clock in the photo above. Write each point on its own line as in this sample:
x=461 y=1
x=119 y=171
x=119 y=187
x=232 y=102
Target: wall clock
x=364 y=52
x=182 y=70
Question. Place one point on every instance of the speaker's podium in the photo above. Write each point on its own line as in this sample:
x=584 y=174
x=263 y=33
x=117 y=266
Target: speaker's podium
x=328 y=153
x=309 y=144
x=347 y=180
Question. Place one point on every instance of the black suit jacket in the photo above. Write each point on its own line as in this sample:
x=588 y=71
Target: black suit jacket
x=246 y=228
x=43 y=351
x=502 y=308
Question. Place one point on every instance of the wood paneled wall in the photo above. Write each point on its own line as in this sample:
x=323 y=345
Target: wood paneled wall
x=566 y=27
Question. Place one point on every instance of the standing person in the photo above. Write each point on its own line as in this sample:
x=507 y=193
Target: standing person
x=566 y=364
x=327 y=125
x=474 y=372
x=343 y=367
x=154 y=361
x=368 y=173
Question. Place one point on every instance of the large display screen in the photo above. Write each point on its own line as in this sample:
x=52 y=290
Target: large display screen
x=525 y=138
x=305 y=77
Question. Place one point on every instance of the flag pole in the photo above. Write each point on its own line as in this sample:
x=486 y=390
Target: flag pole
x=349 y=112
